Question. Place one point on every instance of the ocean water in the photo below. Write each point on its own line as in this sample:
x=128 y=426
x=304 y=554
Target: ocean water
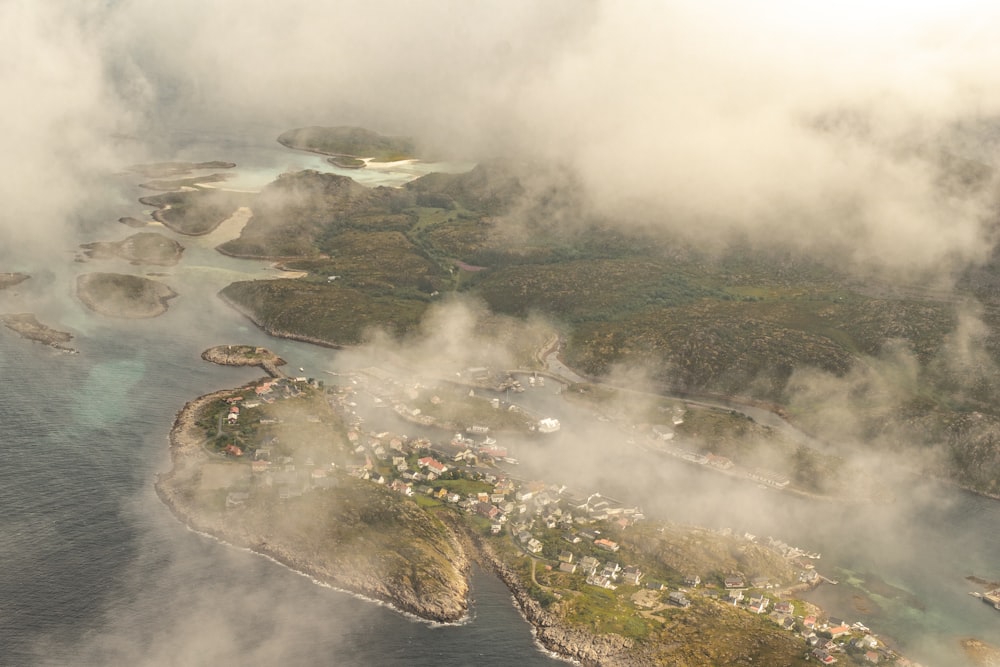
x=94 y=570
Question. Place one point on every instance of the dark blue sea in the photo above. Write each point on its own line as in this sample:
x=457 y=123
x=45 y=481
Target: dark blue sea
x=94 y=570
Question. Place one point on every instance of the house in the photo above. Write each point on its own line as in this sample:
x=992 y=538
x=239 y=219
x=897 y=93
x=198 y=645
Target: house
x=760 y=582
x=769 y=477
x=487 y=510
x=496 y=528
x=588 y=564
x=432 y=464
x=809 y=621
x=692 y=580
x=602 y=581
x=720 y=462
x=839 y=630
x=569 y=568
x=678 y=599
x=735 y=596
x=758 y=604
x=606 y=544
x=788 y=623
x=823 y=656
x=566 y=556
x=399 y=486
x=663 y=432
x=632 y=575
x=494 y=451
x=784 y=607
x=733 y=581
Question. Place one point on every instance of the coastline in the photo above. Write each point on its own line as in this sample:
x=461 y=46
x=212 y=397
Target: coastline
x=187 y=455
x=275 y=332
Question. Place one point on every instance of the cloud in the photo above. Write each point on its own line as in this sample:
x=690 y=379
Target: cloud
x=818 y=124
x=59 y=117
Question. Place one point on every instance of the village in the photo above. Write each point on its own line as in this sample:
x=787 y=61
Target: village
x=581 y=550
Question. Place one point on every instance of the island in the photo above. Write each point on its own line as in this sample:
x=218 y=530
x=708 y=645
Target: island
x=27 y=326
x=141 y=248
x=245 y=355
x=123 y=295
x=11 y=279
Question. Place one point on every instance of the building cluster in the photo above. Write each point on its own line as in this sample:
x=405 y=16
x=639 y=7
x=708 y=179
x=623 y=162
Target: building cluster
x=570 y=534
